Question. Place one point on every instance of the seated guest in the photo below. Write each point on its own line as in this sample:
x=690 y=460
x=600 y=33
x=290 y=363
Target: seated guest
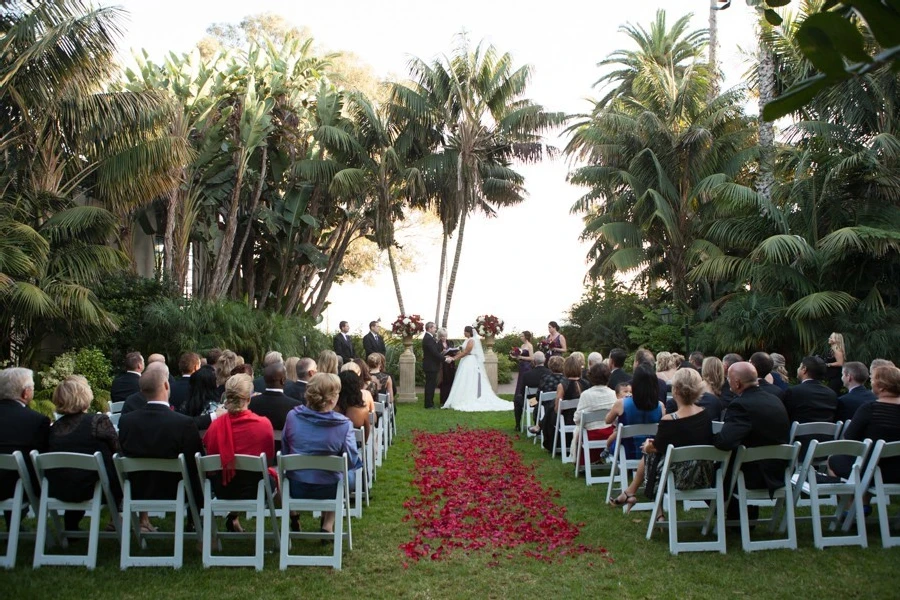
x=259 y=384
x=241 y=369
x=764 y=364
x=810 y=400
x=315 y=429
x=84 y=433
x=157 y=431
x=579 y=357
x=126 y=384
x=211 y=358
x=21 y=428
x=689 y=425
x=645 y=357
x=696 y=360
x=350 y=402
x=641 y=407
x=713 y=375
x=665 y=366
x=376 y=363
x=568 y=389
x=532 y=379
x=596 y=397
x=779 y=372
x=365 y=377
x=238 y=431
x=188 y=364
x=272 y=403
x=363 y=387
x=290 y=369
x=879 y=420
x=617 y=372
x=550 y=383
x=328 y=362
x=203 y=399
x=306 y=368
x=727 y=395
x=854 y=377
x=226 y=363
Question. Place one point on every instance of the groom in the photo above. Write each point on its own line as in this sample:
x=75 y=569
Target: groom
x=431 y=362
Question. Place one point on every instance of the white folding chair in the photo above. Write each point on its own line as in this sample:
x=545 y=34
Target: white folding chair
x=340 y=504
x=668 y=496
x=381 y=447
x=543 y=399
x=184 y=498
x=584 y=447
x=263 y=502
x=622 y=466
x=116 y=407
x=528 y=410
x=360 y=491
x=845 y=428
x=783 y=498
x=561 y=429
x=846 y=490
x=389 y=417
x=371 y=451
x=881 y=492
x=717 y=426
x=92 y=508
x=23 y=497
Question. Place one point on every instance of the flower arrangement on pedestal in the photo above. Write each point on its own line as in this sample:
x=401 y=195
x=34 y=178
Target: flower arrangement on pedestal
x=488 y=325
x=408 y=325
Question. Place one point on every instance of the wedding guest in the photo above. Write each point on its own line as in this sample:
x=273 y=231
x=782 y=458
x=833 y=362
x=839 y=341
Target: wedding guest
x=713 y=375
x=127 y=384
x=728 y=360
x=555 y=342
x=328 y=362
x=273 y=403
x=580 y=359
x=290 y=369
x=188 y=364
x=343 y=345
x=696 y=359
x=239 y=431
x=550 y=383
x=642 y=407
x=306 y=368
x=524 y=360
x=617 y=372
x=366 y=379
x=448 y=369
x=597 y=397
x=203 y=397
x=226 y=363
x=272 y=357
x=532 y=379
x=84 y=433
x=666 y=366
x=350 y=402
x=834 y=360
x=21 y=428
x=810 y=401
x=376 y=362
x=764 y=364
x=366 y=395
x=855 y=376
x=779 y=372
x=568 y=389
x=315 y=429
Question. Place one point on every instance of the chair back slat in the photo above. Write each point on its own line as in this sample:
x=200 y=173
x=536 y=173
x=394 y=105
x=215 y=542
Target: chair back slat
x=277 y=434
x=627 y=431
x=67 y=460
x=568 y=404
x=530 y=391
x=856 y=448
x=300 y=462
x=379 y=408
x=116 y=407
x=815 y=428
x=889 y=449
x=547 y=396
x=242 y=462
x=134 y=465
x=592 y=416
x=776 y=452
x=8 y=462
x=685 y=453
x=717 y=426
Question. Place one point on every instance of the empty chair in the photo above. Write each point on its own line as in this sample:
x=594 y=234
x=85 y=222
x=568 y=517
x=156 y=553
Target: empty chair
x=668 y=495
x=23 y=497
x=184 y=498
x=360 y=490
x=782 y=499
x=43 y=463
x=381 y=435
x=881 y=492
x=339 y=504
x=527 y=422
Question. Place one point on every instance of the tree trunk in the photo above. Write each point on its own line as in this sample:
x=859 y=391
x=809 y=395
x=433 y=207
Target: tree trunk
x=766 y=73
x=451 y=283
x=169 y=235
x=396 y=280
x=440 y=286
x=217 y=277
x=713 y=51
x=256 y=195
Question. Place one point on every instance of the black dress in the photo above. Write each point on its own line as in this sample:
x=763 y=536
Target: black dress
x=572 y=391
x=695 y=430
x=876 y=421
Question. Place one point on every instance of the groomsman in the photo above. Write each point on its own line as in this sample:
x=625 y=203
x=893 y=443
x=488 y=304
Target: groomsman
x=343 y=347
x=373 y=342
x=431 y=362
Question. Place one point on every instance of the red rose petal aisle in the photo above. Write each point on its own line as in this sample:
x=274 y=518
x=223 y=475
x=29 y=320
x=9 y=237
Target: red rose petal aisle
x=476 y=493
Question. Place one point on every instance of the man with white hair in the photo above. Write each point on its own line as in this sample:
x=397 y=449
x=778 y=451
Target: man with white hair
x=306 y=368
x=272 y=357
x=593 y=359
x=532 y=379
x=20 y=427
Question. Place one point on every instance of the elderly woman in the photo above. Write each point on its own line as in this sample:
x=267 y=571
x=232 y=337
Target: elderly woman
x=350 y=401
x=597 y=397
x=238 y=431
x=315 y=429
x=448 y=369
x=376 y=362
x=225 y=364
x=666 y=366
x=690 y=425
x=85 y=433
x=328 y=362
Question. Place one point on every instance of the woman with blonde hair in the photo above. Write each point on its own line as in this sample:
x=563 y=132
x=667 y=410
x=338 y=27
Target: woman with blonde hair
x=328 y=362
x=834 y=362
x=376 y=362
x=225 y=364
x=713 y=375
x=290 y=368
x=665 y=366
x=238 y=431
x=779 y=372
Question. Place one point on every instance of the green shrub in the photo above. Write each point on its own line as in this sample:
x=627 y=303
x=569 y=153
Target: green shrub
x=88 y=362
x=45 y=407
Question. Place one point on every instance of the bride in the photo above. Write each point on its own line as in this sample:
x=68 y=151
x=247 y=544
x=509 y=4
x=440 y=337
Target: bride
x=471 y=391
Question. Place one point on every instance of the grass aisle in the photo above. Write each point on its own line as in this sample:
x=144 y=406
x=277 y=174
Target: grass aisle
x=374 y=569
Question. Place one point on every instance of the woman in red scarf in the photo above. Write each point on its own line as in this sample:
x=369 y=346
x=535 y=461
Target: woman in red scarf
x=238 y=431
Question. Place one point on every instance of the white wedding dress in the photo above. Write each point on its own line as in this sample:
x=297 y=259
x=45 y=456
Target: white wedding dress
x=471 y=391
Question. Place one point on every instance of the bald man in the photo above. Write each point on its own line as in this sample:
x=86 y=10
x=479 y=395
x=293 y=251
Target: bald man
x=754 y=418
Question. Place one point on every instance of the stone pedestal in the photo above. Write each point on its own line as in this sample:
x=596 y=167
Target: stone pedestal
x=408 y=373
x=490 y=361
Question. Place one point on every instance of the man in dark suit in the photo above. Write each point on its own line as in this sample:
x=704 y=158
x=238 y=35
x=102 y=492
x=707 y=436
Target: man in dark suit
x=764 y=364
x=530 y=379
x=127 y=384
x=188 y=364
x=272 y=403
x=854 y=374
x=727 y=394
x=811 y=401
x=343 y=347
x=754 y=418
x=21 y=428
x=617 y=373
x=306 y=368
x=373 y=342
x=431 y=362
x=157 y=431
x=272 y=357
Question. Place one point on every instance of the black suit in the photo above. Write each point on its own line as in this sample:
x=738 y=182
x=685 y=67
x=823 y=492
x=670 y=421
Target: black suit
x=431 y=364
x=296 y=390
x=852 y=400
x=618 y=376
x=374 y=343
x=754 y=419
x=274 y=406
x=180 y=391
x=134 y=402
x=21 y=429
x=810 y=402
x=343 y=347
x=532 y=379
x=771 y=388
x=123 y=386
x=259 y=385
x=156 y=431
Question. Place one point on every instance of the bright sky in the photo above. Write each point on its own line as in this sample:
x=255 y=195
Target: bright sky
x=528 y=265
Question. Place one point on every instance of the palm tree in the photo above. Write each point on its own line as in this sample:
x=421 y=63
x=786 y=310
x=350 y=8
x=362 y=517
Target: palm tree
x=469 y=108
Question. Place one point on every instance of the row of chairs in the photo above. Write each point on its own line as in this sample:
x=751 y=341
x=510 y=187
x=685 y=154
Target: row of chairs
x=346 y=504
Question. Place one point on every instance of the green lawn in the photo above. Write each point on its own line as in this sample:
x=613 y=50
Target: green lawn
x=641 y=569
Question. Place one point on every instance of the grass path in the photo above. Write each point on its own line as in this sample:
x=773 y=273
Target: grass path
x=640 y=569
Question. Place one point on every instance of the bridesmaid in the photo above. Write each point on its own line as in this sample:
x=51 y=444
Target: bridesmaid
x=448 y=370
x=525 y=360
x=555 y=341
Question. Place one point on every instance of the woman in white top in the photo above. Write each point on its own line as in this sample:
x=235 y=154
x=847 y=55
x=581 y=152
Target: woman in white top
x=598 y=397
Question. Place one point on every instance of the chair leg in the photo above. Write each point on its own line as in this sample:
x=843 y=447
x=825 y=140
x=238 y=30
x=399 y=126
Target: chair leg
x=94 y=537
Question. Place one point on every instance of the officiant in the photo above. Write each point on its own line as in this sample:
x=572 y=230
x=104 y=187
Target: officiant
x=448 y=370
